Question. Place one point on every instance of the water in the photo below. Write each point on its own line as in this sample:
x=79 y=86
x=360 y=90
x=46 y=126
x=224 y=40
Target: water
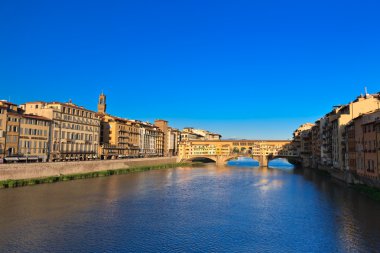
x=198 y=209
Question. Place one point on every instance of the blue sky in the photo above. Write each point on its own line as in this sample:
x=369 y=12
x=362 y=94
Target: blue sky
x=246 y=69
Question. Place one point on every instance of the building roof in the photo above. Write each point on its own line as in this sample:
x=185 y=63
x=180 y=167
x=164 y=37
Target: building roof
x=31 y=116
x=6 y=102
x=61 y=103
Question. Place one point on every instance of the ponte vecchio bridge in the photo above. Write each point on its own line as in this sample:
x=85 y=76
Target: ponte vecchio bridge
x=221 y=151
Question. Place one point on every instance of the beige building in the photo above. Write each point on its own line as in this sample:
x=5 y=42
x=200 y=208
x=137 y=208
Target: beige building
x=151 y=140
x=171 y=137
x=74 y=131
x=189 y=133
x=174 y=137
x=23 y=137
x=34 y=138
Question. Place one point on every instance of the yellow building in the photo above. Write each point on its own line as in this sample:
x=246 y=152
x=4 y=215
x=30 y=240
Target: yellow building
x=23 y=137
x=119 y=138
x=10 y=121
x=74 y=131
x=188 y=149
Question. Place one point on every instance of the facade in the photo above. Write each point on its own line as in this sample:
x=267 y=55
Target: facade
x=151 y=140
x=164 y=128
x=11 y=120
x=190 y=149
x=3 y=129
x=174 y=137
x=301 y=139
x=125 y=138
x=351 y=147
x=341 y=117
x=367 y=163
x=119 y=138
x=332 y=137
x=23 y=137
x=34 y=140
x=74 y=129
x=316 y=144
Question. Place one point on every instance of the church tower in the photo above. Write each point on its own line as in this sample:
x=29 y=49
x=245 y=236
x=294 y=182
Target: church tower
x=102 y=106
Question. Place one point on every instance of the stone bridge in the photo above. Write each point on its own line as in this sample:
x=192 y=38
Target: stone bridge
x=222 y=151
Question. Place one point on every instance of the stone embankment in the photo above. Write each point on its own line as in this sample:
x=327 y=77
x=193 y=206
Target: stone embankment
x=44 y=170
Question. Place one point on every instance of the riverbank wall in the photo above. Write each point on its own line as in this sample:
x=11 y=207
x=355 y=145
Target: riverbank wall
x=348 y=177
x=45 y=170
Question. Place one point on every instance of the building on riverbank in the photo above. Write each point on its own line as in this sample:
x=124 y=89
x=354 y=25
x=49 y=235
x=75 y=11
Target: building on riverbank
x=119 y=138
x=10 y=124
x=34 y=140
x=189 y=134
x=367 y=145
x=74 y=129
x=23 y=137
x=126 y=138
x=346 y=139
x=3 y=129
x=151 y=140
x=171 y=137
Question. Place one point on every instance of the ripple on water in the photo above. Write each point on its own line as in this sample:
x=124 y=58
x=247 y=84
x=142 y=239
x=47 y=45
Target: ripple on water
x=198 y=209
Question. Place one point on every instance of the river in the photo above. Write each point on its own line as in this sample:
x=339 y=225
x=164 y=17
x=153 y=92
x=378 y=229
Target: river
x=240 y=208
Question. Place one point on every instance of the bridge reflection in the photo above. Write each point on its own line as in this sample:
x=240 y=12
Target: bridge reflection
x=281 y=163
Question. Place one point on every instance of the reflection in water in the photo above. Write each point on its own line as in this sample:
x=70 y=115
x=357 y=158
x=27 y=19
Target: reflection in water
x=243 y=162
x=206 y=208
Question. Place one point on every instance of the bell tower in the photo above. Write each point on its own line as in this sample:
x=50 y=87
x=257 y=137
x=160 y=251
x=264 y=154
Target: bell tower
x=102 y=106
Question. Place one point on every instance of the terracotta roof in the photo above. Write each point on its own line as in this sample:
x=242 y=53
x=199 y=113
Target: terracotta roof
x=71 y=105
